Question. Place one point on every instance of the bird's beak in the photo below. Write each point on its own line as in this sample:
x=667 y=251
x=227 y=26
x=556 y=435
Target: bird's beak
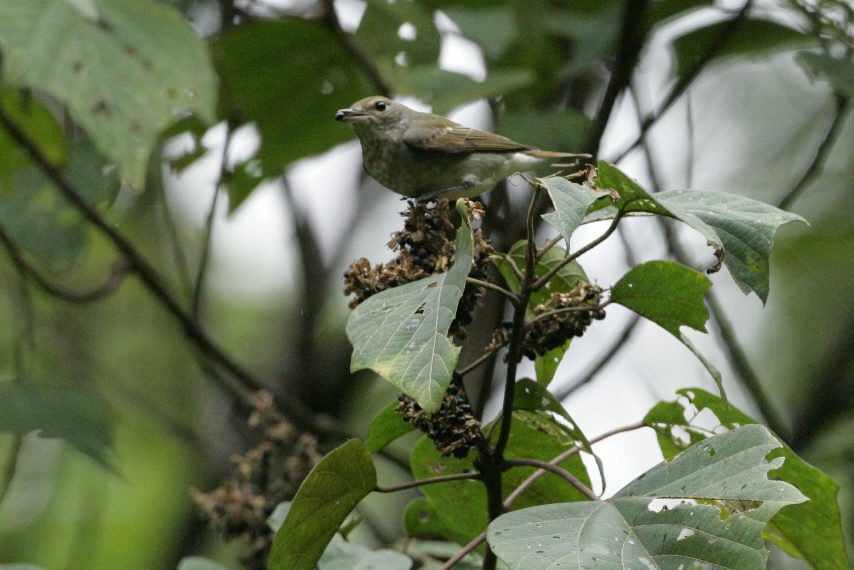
x=349 y=115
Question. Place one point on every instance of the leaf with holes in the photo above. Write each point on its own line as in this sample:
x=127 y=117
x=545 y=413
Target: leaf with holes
x=402 y=333
x=124 y=69
x=810 y=530
x=708 y=505
x=327 y=495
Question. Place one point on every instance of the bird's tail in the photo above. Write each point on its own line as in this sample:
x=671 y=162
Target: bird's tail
x=570 y=158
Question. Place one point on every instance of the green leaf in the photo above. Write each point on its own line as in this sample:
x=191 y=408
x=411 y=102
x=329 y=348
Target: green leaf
x=402 y=333
x=381 y=34
x=571 y=202
x=294 y=120
x=461 y=505
x=81 y=417
x=665 y=292
x=742 y=228
x=533 y=396
x=564 y=130
x=493 y=28
x=278 y=516
x=331 y=490
x=446 y=90
x=708 y=506
x=38 y=124
x=245 y=178
x=387 y=426
x=748 y=38
x=811 y=530
x=123 y=75
x=343 y=555
x=545 y=365
x=840 y=72
x=421 y=518
x=199 y=563
x=40 y=221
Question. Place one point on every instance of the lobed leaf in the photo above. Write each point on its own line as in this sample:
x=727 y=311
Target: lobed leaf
x=327 y=495
x=810 y=530
x=708 y=506
x=571 y=202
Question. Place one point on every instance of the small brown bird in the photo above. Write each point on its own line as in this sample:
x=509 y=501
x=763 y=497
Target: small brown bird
x=424 y=156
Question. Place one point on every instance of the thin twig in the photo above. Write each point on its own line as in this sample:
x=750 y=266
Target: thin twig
x=577 y=309
x=557 y=470
x=493 y=287
x=822 y=151
x=548 y=245
x=107 y=287
x=572 y=257
x=381 y=87
x=688 y=78
x=488 y=353
x=430 y=481
x=207 y=237
x=604 y=358
x=154 y=282
x=473 y=543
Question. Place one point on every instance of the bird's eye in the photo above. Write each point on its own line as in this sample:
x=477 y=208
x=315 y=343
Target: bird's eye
x=380 y=105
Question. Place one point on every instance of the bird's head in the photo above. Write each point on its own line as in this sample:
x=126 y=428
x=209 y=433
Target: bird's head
x=376 y=112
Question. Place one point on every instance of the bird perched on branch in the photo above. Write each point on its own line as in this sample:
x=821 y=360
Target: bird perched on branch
x=425 y=156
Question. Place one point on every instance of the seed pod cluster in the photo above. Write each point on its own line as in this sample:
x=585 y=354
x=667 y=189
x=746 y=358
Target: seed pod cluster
x=425 y=246
x=580 y=306
x=266 y=475
x=453 y=428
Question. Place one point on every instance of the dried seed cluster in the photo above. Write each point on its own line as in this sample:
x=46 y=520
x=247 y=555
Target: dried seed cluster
x=453 y=428
x=425 y=246
x=266 y=475
x=581 y=306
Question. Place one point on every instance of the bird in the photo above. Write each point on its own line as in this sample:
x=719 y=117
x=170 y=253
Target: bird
x=426 y=156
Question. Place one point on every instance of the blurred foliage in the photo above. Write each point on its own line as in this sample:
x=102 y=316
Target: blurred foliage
x=94 y=92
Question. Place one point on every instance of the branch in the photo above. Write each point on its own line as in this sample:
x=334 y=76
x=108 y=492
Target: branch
x=155 y=284
x=822 y=151
x=557 y=470
x=572 y=257
x=686 y=80
x=381 y=87
x=632 y=36
x=514 y=300
x=109 y=285
x=604 y=358
x=474 y=543
x=430 y=481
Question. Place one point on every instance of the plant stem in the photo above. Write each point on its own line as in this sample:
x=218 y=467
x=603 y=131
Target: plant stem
x=430 y=481
x=557 y=470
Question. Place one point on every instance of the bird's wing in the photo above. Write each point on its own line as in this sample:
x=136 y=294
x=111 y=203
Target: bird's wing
x=457 y=139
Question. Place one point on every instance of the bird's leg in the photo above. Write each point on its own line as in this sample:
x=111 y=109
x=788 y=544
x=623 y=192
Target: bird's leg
x=467 y=184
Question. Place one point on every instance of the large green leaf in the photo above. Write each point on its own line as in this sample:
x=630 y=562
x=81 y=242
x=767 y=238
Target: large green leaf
x=707 y=506
x=810 y=530
x=402 y=333
x=81 y=417
x=124 y=68
x=37 y=124
x=665 y=292
x=493 y=28
x=398 y=34
x=749 y=38
x=294 y=119
x=461 y=505
x=741 y=229
x=331 y=490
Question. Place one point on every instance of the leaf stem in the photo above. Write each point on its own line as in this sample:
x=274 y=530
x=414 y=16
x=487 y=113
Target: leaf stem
x=557 y=470
x=512 y=297
x=430 y=481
